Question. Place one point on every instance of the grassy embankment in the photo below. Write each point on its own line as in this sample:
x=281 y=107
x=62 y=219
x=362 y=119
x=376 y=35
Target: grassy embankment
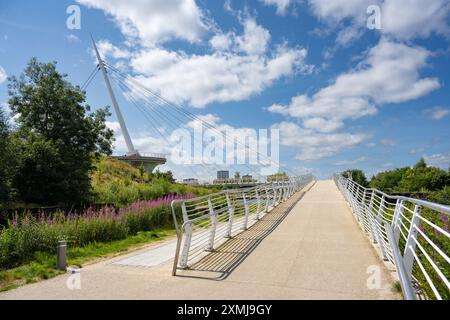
x=27 y=244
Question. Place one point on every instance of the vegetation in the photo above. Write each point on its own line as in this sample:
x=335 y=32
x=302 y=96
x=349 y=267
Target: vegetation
x=43 y=264
x=51 y=151
x=428 y=183
x=56 y=154
x=356 y=175
x=281 y=176
x=422 y=181
x=117 y=183
x=27 y=235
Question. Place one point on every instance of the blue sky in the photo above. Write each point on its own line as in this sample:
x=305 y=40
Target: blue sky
x=342 y=95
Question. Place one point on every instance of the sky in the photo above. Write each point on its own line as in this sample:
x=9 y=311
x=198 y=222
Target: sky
x=345 y=90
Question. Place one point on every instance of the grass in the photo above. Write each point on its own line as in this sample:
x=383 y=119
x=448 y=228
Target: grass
x=118 y=183
x=43 y=266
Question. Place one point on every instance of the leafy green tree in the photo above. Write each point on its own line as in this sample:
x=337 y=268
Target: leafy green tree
x=423 y=178
x=56 y=137
x=441 y=196
x=280 y=176
x=356 y=175
x=168 y=176
x=389 y=180
x=5 y=163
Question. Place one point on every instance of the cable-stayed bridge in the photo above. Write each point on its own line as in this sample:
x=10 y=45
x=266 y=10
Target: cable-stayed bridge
x=292 y=239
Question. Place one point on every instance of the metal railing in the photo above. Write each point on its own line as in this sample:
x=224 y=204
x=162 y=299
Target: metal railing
x=208 y=221
x=411 y=234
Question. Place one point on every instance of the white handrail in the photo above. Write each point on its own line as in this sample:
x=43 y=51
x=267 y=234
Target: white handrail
x=399 y=225
x=210 y=220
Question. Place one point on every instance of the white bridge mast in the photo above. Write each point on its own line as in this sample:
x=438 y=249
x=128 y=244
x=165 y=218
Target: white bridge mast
x=131 y=150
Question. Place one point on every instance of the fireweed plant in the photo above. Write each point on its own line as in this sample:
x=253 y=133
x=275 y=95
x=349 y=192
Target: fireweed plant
x=27 y=234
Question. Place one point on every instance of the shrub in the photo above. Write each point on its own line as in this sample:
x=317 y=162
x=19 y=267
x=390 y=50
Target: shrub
x=26 y=236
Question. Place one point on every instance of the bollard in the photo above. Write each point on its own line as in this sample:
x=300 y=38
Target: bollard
x=61 y=255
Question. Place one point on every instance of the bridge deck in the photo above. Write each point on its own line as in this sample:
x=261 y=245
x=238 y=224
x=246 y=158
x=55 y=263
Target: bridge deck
x=316 y=251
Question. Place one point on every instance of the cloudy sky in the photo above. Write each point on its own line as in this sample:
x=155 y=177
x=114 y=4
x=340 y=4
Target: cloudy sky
x=342 y=95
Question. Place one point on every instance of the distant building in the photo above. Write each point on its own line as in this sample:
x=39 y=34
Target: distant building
x=190 y=181
x=247 y=177
x=223 y=174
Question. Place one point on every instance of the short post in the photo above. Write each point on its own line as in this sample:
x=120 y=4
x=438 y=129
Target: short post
x=258 y=204
x=61 y=255
x=213 y=217
x=230 y=217
x=410 y=247
x=246 y=211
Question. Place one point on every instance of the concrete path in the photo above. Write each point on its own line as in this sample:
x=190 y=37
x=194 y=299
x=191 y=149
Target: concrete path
x=316 y=251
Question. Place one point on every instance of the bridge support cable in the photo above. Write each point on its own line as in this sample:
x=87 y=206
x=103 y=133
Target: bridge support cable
x=161 y=101
x=156 y=118
x=205 y=223
x=91 y=77
x=161 y=111
x=173 y=120
x=410 y=234
x=152 y=120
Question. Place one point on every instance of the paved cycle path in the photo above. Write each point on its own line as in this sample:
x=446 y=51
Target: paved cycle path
x=316 y=251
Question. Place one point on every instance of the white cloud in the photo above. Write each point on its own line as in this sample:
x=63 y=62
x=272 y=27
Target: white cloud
x=348 y=162
x=282 y=5
x=315 y=145
x=3 y=75
x=107 y=49
x=218 y=77
x=437 y=113
x=72 y=38
x=255 y=39
x=400 y=19
x=155 y=21
x=253 y=42
x=239 y=66
x=222 y=41
x=408 y=19
x=416 y=150
x=388 y=142
x=389 y=74
x=439 y=160
x=144 y=141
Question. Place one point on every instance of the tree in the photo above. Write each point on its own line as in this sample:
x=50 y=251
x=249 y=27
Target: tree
x=57 y=139
x=389 y=180
x=423 y=178
x=237 y=175
x=280 y=176
x=5 y=163
x=356 y=175
x=168 y=176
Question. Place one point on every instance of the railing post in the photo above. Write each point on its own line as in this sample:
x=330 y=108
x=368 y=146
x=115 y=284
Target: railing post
x=267 y=199
x=230 y=217
x=410 y=248
x=397 y=220
x=363 y=208
x=379 y=218
x=274 y=195
x=213 y=217
x=246 y=211
x=258 y=204
x=187 y=240
x=372 y=218
x=186 y=246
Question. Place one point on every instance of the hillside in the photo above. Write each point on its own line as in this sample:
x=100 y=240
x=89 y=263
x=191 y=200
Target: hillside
x=118 y=183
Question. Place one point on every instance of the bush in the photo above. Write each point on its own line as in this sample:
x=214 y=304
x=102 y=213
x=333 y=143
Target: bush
x=28 y=235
